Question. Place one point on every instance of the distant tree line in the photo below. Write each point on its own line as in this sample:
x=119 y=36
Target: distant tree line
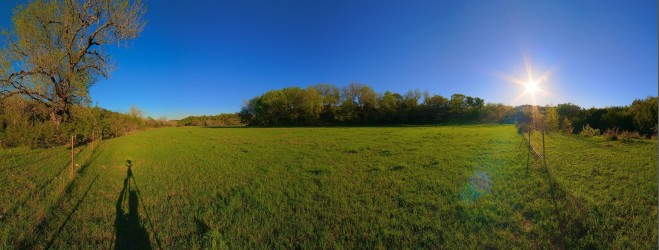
x=25 y=122
x=212 y=120
x=640 y=116
x=359 y=104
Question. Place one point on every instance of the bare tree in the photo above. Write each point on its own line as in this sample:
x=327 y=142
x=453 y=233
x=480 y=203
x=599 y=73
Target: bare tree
x=55 y=50
x=136 y=112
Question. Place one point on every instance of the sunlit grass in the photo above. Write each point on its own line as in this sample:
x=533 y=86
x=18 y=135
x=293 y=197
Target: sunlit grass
x=451 y=186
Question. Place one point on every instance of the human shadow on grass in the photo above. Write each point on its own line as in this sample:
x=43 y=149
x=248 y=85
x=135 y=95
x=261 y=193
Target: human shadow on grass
x=130 y=231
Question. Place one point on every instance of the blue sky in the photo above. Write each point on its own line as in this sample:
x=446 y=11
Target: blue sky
x=208 y=57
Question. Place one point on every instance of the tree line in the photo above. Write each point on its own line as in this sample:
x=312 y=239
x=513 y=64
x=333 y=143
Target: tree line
x=640 y=117
x=359 y=104
x=211 y=120
x=25 y=122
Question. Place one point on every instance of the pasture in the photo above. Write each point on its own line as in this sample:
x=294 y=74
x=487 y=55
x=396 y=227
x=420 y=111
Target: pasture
x=457 y=186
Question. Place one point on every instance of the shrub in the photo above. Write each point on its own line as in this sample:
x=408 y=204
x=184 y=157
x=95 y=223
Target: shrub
x=566 y=126
x=629 y=135
x=551 y=119
x=612 y=134
x=588 y=131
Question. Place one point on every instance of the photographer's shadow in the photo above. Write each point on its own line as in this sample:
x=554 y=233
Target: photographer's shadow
x=130 y=232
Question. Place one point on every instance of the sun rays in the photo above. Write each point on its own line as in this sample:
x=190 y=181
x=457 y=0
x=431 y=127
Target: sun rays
x=531 y=87
x=533 y=84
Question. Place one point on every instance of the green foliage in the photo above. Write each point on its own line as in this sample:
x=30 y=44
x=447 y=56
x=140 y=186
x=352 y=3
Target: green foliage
x=358 y=103
x=26 y=122
x=498 y=112
x=213 y=120
x=641 y=117
x=645 y=115
x=55 y=50
x=552 y=122
x=464 y=186
x=331 y=96
x=566 y=126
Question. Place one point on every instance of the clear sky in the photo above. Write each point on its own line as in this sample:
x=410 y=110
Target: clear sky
x=208 y=57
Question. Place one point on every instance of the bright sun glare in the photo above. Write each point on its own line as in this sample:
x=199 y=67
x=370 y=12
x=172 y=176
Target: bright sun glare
x=533 y=84
x=531 y=87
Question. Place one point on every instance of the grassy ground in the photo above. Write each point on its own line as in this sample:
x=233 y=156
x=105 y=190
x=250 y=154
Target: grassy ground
x=451 y=186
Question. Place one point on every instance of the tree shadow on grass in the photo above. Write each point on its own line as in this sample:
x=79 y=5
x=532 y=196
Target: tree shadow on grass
x=130 y=232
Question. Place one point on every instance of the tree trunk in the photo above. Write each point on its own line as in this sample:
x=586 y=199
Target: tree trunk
x=55 y=118
x=57 y=115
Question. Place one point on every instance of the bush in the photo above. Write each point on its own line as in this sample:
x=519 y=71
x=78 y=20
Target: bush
x=27 y=123
x=629 y=135
x=615 y=134
x=566 y=126
x=588 y=131
x=612 y=134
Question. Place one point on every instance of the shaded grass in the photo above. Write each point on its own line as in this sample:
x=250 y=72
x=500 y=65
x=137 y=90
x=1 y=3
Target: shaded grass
x=448 y=186
x=610 y=186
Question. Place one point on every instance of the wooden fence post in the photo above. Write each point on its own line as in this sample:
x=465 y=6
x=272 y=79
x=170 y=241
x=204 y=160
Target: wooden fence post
x=92 y=140
x=528 y=155
x=544 y=156
x=72 y=155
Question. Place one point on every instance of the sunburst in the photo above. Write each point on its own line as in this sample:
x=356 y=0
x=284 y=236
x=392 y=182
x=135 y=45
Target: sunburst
x=532 y=85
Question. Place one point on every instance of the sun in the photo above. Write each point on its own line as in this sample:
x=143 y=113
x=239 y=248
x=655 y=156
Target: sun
x=531 y=87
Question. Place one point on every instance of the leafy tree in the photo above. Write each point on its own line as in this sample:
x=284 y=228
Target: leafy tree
x=409 y=108
x=358 y=103
x=570 y=111
x=331 y=96
x=349 y=102
x=313 y=105
x=275 y=107
x=566 y=126
x=497 y=112
x=645 y=115
x=55 y=50
x=458 y=104
x=367 y=101
x=619 y=118
x=213 y=120
x=551 y=119
x=435 y=107
x=388 y=104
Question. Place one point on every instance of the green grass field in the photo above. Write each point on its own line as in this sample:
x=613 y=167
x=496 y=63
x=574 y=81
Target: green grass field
x=441 y=186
